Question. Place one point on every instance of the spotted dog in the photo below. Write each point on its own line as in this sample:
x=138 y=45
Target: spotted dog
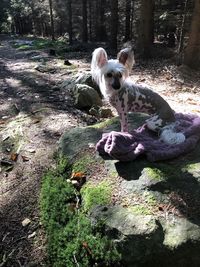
x=112 y=76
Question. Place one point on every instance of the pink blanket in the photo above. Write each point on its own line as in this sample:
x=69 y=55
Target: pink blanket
x=128 y=146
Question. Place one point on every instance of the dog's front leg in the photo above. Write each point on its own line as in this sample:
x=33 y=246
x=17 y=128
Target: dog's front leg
x=124 y=121
x=122 y=109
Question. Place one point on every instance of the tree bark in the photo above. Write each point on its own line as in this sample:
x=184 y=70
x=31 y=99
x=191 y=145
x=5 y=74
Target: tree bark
x=146 y=30
x=182 y=30
x=114 y=24
x=70 y=29
x=52 y=20
x=192 y=51
x=128 y=20
x=85 y=27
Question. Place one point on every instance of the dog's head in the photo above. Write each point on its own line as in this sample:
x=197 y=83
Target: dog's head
x=111 y=74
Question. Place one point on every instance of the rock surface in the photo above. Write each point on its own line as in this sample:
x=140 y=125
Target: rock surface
x=154 y=214
x=86 y=97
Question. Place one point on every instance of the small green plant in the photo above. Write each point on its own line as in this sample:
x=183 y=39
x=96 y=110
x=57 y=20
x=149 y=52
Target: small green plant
x=84 y=163
x=140 y=209
x=71 y=238
x=94 y=195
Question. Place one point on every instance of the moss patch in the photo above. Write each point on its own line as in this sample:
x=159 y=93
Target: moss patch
x=140 y=209
x=149 y=198
x=71 y=238
x=191 y=168
x=109 y=122
x=154 y=173
x=84 y=163
x=94 y=195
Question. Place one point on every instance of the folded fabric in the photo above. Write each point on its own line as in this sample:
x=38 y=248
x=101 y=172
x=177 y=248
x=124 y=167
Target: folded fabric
x=128 y=146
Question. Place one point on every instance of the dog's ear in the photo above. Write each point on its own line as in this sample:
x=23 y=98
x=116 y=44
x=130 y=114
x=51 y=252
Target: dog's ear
x=99 y=57
x=126 y=57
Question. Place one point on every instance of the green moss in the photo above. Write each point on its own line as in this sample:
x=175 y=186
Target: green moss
x=55 y=194
x=149 y=198
x=106 y=123
x=192 y=167
x=83 y=164
x=140 y=209
x=70 y=234
x=94 y=195
x=154 y=173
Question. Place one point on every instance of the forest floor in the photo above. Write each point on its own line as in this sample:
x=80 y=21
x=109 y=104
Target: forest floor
x=34 y=113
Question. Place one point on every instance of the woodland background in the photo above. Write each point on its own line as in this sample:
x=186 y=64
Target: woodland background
x=147 y=23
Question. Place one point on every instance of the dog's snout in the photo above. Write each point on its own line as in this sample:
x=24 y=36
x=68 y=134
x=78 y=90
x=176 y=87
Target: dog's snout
x=116 y=83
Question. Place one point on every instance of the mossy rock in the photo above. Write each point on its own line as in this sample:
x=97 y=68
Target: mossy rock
x=157 y=218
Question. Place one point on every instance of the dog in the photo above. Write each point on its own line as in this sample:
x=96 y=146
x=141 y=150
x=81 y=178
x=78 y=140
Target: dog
x=112 y=77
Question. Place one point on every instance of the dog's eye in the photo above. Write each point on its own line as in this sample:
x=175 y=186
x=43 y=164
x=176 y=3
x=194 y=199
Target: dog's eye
x=119 y=75
x=109 y=74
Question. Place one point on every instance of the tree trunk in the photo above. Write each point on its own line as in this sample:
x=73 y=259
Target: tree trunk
x=70 y=30
x=52 y=20
x=146 y=30
x=114 y=23
x=128 y=20
x=182 y=30
x=192 y=51
x=85 y=27
x=90 y=19
x=102 y=28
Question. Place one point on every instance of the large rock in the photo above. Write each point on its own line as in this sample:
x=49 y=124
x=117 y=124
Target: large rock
x=86 y=97
x=84 y=90
x=154 y=212
x=86 y=78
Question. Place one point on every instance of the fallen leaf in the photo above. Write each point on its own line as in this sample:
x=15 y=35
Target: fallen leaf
x=2 y=122
x=85 y=245
x=77 y=175
x=14 y=156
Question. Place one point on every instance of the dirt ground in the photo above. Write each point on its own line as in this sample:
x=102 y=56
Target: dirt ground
x=34 y=113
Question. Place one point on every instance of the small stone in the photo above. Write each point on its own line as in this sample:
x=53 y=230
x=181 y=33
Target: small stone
x=74 y=182
x=26 y=222
x=105 y=112
x=32 y=235
x=31 y=150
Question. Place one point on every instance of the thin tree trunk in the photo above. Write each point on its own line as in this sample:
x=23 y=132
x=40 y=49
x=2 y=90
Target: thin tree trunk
x=128 y=20
x=90 y=19
x=70 y=31
x=52 y=20
x=182 y=32
x=84 y=15
x=114 y=23
x=192 y=51
x=146 y=30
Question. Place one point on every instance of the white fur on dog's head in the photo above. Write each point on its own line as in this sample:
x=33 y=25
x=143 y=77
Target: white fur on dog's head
x=111 y=73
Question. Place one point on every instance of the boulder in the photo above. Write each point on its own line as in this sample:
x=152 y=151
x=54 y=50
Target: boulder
x=153 y=215
x=87 y=79
x=86 y=97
